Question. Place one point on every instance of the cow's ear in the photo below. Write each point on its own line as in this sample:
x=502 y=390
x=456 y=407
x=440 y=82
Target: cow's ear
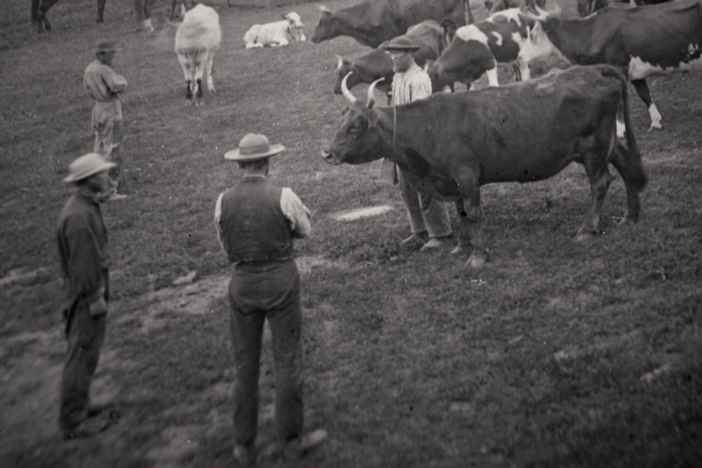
x=285 y=16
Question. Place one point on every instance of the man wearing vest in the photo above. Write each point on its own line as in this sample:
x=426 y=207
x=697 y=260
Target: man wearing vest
x=82 y=244
x=428 y=217
x=256 y=224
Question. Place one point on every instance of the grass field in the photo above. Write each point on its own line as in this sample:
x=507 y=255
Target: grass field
x=555 y=354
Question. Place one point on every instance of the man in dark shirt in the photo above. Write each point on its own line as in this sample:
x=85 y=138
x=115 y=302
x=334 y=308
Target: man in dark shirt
x=82 y=246
x=256 y=223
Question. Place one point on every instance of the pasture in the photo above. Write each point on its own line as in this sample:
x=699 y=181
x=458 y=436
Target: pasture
x=555 y=354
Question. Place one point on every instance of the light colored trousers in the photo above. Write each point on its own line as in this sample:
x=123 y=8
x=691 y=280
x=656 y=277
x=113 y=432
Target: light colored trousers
x=107 y=124
x=425 y=213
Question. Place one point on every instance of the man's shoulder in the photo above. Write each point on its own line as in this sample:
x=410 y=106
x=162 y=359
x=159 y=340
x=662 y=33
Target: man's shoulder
x=76 y=215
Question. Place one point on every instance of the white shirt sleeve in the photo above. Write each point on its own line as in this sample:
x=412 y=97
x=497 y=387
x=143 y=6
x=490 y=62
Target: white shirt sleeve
x=296 y=212
x=421 y=86
x=217 y=216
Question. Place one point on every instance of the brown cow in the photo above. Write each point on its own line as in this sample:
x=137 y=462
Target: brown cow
x=450 y=145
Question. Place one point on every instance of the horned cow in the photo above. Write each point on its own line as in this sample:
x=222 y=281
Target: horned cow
x=197 y=39
x=450 y=144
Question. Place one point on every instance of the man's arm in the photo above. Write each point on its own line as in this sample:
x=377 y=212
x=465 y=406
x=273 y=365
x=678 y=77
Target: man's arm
x=296 y=212
x=420 y=86
x=115 y=83
x=85 y=269
x=217 y=217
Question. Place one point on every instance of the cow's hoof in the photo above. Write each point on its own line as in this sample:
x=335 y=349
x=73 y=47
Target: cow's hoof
x=459 y=249
x=476 y=260
x=625 y=220
x=199 y=103
x=583 y=236
x=188 y=102
x=655 y=126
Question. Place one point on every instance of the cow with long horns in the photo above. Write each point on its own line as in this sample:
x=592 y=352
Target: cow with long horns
x=450 y=145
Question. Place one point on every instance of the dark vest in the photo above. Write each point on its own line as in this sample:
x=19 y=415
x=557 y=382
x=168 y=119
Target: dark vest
x=254 y=227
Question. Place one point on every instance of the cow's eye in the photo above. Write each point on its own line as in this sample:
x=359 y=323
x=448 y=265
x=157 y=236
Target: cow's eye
x=358 y=126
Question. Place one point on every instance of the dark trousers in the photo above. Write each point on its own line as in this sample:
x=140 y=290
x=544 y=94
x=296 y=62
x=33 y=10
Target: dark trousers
x=258 y=292
x=85 y=335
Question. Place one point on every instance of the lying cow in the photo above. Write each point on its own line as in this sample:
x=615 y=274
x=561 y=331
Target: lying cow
x=449 y=145
x=643 y=41
x=197 y=39
x=275 y=34
x=479 y=47
x=377 y=63
x=373 y=22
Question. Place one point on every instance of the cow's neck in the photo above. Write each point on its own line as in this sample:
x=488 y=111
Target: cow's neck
x=353 y=21
x=403 y=131
x=573 y=39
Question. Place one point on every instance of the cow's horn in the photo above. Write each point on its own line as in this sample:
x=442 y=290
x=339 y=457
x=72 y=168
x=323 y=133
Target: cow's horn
x=371 y=96
x=346 y=91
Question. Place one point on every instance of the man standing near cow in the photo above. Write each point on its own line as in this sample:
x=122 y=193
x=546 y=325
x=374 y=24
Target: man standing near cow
x=105 y=87
x=256 y=223
x=428 y=217
x=85 y=261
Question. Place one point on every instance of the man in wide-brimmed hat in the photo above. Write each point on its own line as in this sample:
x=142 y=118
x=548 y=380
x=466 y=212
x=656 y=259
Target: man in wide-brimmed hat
x=85 y=262
x=429 y=220
x=256 y=224
x=105 y=87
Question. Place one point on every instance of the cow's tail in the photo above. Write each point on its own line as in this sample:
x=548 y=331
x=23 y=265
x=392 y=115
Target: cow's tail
x=35 y=11
x=637 y=176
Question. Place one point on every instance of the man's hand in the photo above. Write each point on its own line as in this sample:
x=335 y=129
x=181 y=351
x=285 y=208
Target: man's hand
x=98 y=307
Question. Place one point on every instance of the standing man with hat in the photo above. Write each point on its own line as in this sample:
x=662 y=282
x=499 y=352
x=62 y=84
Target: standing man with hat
x=85 y=261
x=105 y=87
x=428 y=217
x=256 y=224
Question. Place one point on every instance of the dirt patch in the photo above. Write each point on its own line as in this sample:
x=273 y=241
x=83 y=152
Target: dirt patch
x=358 y=213
x=181 y=440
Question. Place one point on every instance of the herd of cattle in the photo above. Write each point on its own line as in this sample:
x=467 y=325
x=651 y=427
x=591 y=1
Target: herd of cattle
x=450 y=144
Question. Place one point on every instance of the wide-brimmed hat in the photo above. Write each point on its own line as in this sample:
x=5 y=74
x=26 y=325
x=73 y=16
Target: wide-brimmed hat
x=86 y=166
x=253 y=147
x=105 y=46
x=402 y=43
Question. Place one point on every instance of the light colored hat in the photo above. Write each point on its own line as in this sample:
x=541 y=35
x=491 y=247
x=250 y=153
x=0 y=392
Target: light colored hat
x=105 y=46
x=401 y=43
x=86 y=166
x=253 y=147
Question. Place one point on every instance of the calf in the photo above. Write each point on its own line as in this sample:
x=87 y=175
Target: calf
x=449 y=145
x=644 y=41
x=275 y=34
x=197 y=39
x=479 y=47
x=377 y=63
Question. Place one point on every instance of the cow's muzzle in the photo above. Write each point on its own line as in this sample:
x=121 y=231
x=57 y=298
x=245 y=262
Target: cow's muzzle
x=328 y=157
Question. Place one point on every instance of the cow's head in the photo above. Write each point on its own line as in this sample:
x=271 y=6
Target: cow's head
x=588 y=7
x=449 y=27
x=326 y=27
x=541 y=40
x=360 y=139
x=346 y=68
x=295 y=26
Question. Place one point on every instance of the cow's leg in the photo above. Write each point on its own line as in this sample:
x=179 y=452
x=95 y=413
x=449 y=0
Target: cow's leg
x=148 y=4
x=100 y=11
x=642 y=88
x=492 y=76
x=634 y=179
x=208 y=69
x=42 y=22
x=198 y=92
x=188 y=93
x=523 y=67
x=595 y=162
x=471 y=228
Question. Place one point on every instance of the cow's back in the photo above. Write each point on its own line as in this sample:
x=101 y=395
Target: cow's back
x=407 y=13
x=519 y=127
x=200 y=25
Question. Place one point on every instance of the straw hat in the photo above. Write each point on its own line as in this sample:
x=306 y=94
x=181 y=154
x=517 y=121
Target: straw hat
x=402 y=44
x=252 y=148
x=86 y=166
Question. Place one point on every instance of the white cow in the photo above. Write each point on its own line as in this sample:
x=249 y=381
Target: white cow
x=196 y=40
x=275 y=34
